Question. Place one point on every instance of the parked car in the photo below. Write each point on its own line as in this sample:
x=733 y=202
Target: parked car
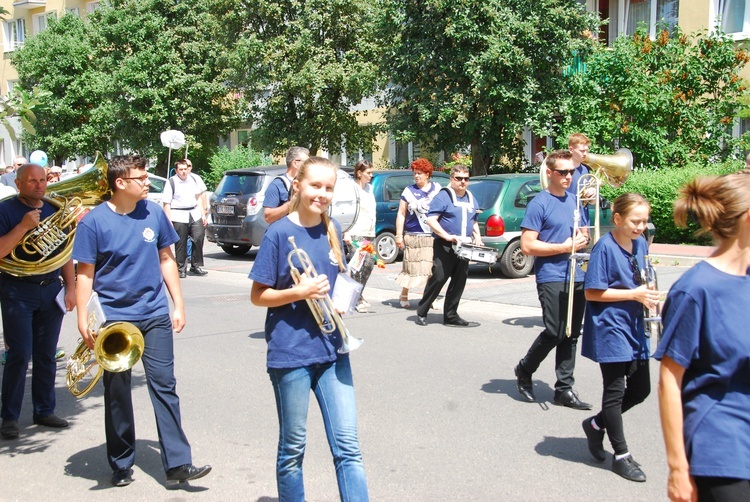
x=502 y=201
x=236 y=220
x=156 y=188
x=387 y=187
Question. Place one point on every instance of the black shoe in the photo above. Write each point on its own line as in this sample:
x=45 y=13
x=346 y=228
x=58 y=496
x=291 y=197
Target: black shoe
x=197 y=271
x=595 y=439
x=460 y=323
x=525 y=387
x=186 y=472
x=9 y=429
x=570 y=400
x=421 y=321
x=122 y=477
x=51 y=421
x=183 y=275
x=628 y=469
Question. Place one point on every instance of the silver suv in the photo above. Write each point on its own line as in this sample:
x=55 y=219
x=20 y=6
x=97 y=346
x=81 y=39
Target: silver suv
x=237 y=222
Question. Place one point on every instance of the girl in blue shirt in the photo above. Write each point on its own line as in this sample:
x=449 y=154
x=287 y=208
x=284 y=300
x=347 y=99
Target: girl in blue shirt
x=300 y=357
x=704 y=380
x=613 y=329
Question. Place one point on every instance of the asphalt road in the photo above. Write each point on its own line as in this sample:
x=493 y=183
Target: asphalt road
x=440 y=417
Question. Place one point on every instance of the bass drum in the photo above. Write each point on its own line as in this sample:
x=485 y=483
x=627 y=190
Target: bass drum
x=344 y=207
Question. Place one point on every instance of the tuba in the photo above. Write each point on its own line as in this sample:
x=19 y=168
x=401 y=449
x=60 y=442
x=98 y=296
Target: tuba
x=49 y=245
x=323 y=310
x=117 y=348
x=614 y=169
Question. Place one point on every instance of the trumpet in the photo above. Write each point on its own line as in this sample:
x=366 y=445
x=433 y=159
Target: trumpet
x=652 y=317
x=323 y=310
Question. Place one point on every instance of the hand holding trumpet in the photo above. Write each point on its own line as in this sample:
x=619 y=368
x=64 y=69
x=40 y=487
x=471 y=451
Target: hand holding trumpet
x=648 y=297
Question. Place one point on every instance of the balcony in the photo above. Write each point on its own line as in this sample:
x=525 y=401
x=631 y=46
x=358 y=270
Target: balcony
x=29 y=4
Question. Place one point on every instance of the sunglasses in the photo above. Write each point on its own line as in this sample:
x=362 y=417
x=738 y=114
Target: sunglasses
x=637 y=276
x=564 y=172
x=461 y=178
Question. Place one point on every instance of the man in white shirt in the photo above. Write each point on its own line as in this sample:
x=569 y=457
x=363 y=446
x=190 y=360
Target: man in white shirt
x=185 y=206
x=9 y=179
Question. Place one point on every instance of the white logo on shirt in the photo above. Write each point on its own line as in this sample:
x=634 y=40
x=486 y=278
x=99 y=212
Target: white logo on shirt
x=332 y=258
x=148 y=235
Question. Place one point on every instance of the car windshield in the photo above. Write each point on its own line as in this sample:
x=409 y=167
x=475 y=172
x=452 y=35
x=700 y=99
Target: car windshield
x=156 y=186
x=486 y=192
x=240 y=184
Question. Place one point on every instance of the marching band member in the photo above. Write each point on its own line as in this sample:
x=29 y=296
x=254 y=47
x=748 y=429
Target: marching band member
x=452 y=218
x=123 y=252
x=613 y=330
x=412 y=230
x=704 y=379
x=300 y=357
x=548 y=235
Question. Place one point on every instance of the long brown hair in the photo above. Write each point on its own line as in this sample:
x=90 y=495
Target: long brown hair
x=333 y=238
x=715 y=203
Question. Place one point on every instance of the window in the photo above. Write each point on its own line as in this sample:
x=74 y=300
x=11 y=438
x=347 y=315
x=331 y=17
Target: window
x=73 y=10
x=243 y=137
x=91 y=7
x=14 y=33
x=732 y=16
x=626 y=15
x=41 y=21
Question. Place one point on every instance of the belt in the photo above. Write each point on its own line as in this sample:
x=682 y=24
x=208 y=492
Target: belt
x=184 y=208
x=31 y=279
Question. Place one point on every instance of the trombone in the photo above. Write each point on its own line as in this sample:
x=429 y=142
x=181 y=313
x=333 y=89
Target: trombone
x=323 y=310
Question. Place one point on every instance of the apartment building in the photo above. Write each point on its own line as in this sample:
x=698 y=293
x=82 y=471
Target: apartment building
x=28 y=17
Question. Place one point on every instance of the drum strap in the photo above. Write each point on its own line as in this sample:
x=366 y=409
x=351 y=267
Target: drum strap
x=464 y=205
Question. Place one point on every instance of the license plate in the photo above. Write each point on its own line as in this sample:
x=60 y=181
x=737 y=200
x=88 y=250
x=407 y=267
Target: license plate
x=220 y=209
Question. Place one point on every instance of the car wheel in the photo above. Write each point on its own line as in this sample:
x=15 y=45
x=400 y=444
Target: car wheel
x=514 y=264
x=385 y=246
x=235 y=250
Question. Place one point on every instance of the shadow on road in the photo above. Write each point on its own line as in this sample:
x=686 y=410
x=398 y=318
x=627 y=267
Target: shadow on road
x=525 y=322
x=569 y=449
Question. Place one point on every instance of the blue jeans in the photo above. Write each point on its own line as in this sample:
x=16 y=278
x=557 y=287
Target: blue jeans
x=31 y=327
x=334 y=390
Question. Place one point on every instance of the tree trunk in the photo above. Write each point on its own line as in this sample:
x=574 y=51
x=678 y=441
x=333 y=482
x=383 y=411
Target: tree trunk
x=480 y=162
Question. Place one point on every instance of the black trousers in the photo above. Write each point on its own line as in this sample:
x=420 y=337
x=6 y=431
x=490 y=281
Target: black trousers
x=553 y=297
x=711 y=489
x=625 y=385
x=195 y=231
x=445 y=265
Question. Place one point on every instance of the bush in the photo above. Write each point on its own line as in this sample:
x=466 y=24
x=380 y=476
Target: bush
x=224 y=160
x=661 y=188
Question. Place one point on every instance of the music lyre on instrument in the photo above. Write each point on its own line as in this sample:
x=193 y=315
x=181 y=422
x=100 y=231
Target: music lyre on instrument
x=323 y=310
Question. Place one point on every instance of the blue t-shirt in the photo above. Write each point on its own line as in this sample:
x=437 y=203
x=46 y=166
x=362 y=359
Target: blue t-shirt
x=277 y=193
x=706 y=332
x=614 y=331
x=458 y=218
x=411 y=224
x=12 y=211
x=124 y=248
x=552 y=218
x=579 y=171
x=294 y=338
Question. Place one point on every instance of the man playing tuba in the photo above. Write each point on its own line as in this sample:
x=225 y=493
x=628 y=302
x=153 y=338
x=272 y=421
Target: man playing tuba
x=31 y=316
x=123 y=252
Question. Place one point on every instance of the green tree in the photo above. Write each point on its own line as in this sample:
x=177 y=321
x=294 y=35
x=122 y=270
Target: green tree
x=133 y=69
x=671 y=101
x=476 y=72
x=302 y=66
x=60 y=61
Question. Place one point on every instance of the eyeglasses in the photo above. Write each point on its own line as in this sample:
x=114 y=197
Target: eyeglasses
x=140 y=179
x=564 y=172
x=637 y=276
x=461 y=178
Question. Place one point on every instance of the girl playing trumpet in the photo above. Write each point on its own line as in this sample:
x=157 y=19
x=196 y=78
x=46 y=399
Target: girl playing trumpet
x=300 y=357
x=614 y=331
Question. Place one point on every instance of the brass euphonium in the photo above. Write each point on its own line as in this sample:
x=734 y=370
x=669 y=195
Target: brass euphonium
x=323 y=310
x=117 y=348
x=49 y=245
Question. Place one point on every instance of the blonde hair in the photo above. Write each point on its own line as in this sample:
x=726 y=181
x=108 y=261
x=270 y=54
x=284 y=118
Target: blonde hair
x=715 y=203
x=625 y=203
x=333 y=238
